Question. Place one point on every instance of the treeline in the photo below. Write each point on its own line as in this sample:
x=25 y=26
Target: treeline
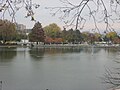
x=53 y=34
x=75 y=36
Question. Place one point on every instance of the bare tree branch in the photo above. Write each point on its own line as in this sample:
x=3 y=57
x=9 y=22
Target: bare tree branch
x=13 y=6
x=98 y=10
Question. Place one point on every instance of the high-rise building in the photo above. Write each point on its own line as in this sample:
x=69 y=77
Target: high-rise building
x=20 y=28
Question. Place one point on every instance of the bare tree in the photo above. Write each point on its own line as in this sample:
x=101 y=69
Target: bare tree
x=13 y=6
x=112 y=78
x=77 y=15
x=112 y=75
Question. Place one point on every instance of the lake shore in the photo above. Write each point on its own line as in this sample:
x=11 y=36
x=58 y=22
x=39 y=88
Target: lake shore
x=63 y=46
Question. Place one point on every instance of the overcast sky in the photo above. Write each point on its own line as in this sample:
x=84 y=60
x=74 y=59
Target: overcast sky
x=43 y=15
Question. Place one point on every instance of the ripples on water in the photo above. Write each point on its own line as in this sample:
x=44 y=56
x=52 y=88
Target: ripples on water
x=55 y=68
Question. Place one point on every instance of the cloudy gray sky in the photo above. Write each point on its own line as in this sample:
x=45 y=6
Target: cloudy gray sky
x=43 y=15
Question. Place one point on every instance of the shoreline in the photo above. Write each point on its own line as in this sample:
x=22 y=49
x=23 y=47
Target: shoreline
x=63 y=46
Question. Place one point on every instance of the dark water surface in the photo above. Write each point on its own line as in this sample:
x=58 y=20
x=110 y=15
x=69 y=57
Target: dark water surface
x=55 y=69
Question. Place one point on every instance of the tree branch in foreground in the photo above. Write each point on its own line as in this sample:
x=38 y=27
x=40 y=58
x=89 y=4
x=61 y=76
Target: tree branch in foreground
x=89 y=11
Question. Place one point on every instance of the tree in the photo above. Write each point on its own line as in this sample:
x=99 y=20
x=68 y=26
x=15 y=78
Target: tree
x=111 y=35
x=7 y=31
x=52 y=30
x=98 y=37
x=78 y=36
x=21 y=36
x=85 y=36
x=87 y=12
x=64 y=35
x=13 y=6
x=116 y=40
x=37 y=34
x=70 y=36
x=74 y=36
x=48 y=40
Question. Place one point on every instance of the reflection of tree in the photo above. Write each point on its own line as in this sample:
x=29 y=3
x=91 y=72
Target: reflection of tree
x=62 y=50
x=7 y=54
x=112 y=78
x=112 y=50
x=112 y=75
x=37 y=53
x=91 y=50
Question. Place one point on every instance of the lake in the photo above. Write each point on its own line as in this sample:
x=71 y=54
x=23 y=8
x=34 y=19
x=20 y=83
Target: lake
x=55 y=68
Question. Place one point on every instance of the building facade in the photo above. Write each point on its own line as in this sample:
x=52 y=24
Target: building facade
x=21 y=28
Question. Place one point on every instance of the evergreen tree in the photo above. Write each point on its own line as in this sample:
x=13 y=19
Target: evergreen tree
x=37 y=34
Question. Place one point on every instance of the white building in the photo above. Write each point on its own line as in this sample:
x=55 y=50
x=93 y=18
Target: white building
x=20 y=28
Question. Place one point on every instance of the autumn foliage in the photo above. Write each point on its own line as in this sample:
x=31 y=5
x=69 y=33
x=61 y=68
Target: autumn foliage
x=7 y=31
x=51 y=40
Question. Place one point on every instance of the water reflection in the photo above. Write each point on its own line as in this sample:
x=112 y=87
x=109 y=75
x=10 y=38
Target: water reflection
x=62 y=50
x=71 y=50
x=36 y=53
x=112 y=50
x=55 y=68
x=39 y=52
x=111 y=76
x=91 y=50
x=7 y=54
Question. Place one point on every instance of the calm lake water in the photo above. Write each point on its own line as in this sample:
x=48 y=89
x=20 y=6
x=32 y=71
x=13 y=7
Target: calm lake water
x=55 y=69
